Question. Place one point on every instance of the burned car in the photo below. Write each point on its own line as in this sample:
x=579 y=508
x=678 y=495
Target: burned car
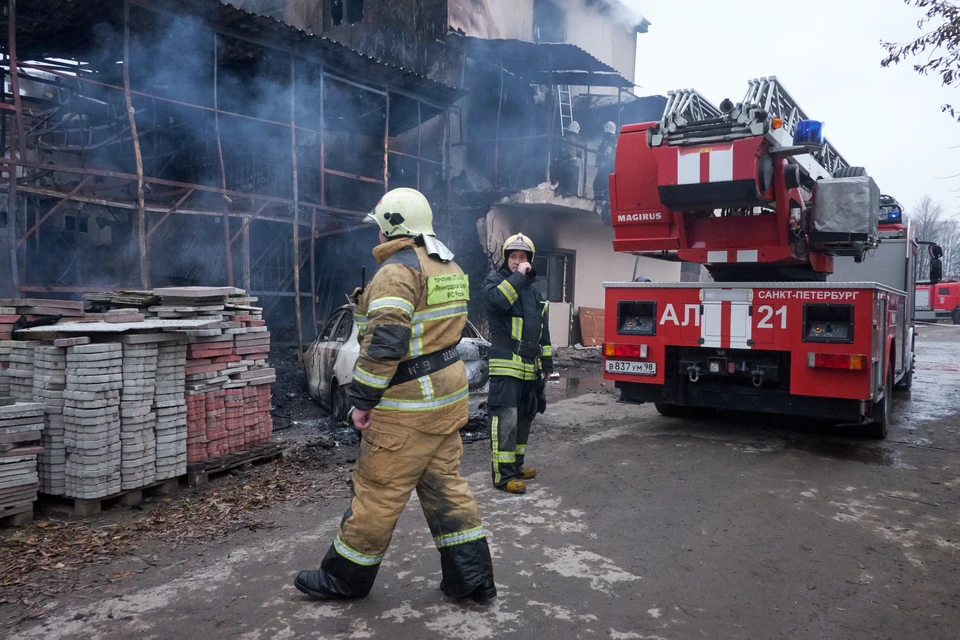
x=329 y=362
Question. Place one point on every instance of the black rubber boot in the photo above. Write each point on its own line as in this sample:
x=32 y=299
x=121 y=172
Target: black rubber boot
x=468 y=571
x=337 y=579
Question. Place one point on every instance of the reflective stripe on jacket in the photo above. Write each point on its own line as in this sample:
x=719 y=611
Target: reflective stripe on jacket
x=415 y=305
x=517 y=311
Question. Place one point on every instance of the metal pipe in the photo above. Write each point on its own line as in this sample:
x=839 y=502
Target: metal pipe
x=296 y=201
x=247 y=284
x=169 y=213
x=386 y=145
x=496 y=149
x=228 y=253
x=36 y=227
x=313 y=270
x=419 y=140
x=12 y=200
x=132 y=115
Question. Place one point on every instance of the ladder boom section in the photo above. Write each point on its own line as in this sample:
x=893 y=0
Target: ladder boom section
x=690 y=119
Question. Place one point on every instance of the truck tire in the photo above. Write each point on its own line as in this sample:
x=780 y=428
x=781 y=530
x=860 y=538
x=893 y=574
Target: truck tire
x=882 y=410
x=956 y=316
x=851 y=172
x=668 y=410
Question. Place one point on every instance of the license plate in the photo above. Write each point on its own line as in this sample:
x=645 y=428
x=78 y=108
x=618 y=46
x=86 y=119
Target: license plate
x=632 y=368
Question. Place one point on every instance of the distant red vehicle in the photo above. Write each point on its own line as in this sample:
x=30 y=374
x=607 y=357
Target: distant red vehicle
x=938 y=302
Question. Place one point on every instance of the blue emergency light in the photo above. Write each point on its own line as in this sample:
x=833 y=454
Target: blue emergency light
x=809 y=132
x=891 y=215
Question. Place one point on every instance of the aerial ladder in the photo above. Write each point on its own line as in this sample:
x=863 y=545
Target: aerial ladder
x=740 y=178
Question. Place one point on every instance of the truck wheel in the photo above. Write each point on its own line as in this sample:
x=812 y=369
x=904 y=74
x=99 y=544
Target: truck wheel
x=956 y=316
x=668 y=410
x=851 y=172
x=881 y=411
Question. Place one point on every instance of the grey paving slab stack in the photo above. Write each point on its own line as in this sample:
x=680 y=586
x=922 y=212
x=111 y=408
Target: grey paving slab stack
x=49 y=386
x=91 y=417
x=137 y=418
x=20 y=371
x=170 y=407
x=21 y=425
x=5 y=349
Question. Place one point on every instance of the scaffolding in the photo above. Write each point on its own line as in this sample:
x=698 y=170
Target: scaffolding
x=235 y=126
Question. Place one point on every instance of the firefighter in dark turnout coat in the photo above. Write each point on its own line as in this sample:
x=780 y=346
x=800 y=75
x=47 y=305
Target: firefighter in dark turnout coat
x=520 y=359
x=409 y=394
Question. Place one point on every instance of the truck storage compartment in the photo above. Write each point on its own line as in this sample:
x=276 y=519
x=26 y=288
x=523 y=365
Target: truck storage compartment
x=846 y=216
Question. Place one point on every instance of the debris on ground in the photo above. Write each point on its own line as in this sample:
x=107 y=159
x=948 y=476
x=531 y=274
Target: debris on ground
x=43 y=560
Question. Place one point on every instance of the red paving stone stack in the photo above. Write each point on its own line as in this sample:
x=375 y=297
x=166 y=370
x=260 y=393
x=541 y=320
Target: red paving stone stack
x=197 y=428
x=217 y=445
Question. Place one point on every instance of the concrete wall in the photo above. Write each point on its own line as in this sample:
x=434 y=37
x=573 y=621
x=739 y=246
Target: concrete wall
x=596 y=262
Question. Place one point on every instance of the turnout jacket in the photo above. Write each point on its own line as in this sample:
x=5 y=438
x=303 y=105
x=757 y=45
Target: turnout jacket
x=518 y=315
x=414 y=306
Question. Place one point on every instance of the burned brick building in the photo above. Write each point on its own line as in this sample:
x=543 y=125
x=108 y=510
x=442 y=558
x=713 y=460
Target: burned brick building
x=215 y=142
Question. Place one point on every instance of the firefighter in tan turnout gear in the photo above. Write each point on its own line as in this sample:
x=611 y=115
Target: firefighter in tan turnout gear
x=410 y=395
x=520 y=359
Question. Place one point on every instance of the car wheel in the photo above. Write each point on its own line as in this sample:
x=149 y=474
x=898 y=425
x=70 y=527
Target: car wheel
x=339 y=402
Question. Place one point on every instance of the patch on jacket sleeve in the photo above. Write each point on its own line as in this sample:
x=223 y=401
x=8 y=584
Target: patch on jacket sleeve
x=390 y=342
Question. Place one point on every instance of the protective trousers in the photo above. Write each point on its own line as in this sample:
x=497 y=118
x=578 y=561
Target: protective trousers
x=391 y=465
x=513 y=405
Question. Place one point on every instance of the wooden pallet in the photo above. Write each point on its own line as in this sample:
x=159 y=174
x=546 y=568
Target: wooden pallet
x=85 y=507
x=18 y=515
x=200 y=473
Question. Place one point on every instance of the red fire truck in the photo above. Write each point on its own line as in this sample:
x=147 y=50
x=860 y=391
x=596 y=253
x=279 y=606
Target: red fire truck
x=805 y=311
x=938 y=302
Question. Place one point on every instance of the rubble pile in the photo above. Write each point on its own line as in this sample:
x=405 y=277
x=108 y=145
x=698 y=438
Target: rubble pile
x=20 y=427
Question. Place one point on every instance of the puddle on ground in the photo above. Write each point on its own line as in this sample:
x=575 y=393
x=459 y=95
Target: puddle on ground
x=854 y=451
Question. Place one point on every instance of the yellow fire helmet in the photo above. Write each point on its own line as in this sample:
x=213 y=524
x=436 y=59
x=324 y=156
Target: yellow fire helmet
x=519 y=242
x=403 y=212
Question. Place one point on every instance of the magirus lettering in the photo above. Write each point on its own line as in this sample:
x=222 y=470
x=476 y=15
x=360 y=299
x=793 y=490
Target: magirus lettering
x=639 y=217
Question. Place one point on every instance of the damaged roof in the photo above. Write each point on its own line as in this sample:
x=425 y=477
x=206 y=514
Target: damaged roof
x=68 y=29
x=546 y=62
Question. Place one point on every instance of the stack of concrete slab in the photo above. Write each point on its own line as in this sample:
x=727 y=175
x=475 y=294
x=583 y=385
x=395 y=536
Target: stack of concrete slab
x=20 y=370
x=91 y=416
x=192 y=302
x=137 y=418
x=21 y=425
x=49 y=385
x=216 y=418
x=171 y=409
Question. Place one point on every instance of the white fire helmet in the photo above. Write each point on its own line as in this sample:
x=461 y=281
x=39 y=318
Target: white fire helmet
x=403 y=212
x=610 y=127
x=519 y=242
x=574 y=128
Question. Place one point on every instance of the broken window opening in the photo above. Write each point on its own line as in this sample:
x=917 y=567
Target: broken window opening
x=336 y=13
x=549 y=22
x=344 y=12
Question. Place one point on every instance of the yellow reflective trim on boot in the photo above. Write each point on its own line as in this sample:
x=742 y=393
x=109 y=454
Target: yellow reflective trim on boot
x=355 y=556
x=462 y=537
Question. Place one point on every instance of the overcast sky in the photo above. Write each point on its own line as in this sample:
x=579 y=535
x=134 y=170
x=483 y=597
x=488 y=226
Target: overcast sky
x=827 y=53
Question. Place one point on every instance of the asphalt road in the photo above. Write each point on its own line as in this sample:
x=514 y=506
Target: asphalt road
x=638 y=527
